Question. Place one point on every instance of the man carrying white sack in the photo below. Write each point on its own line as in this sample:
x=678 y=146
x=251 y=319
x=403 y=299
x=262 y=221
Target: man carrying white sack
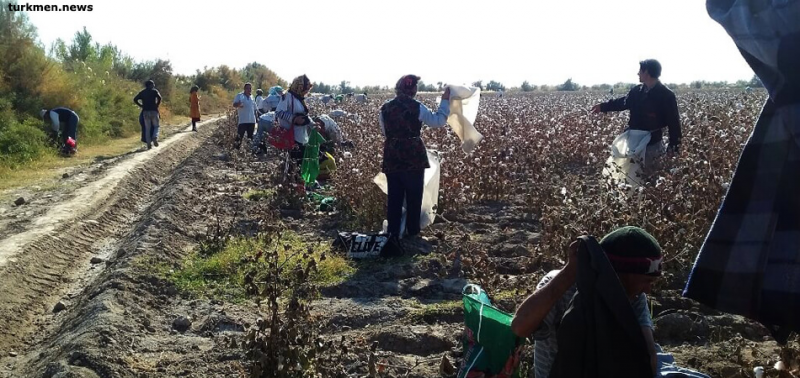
x=652 y=107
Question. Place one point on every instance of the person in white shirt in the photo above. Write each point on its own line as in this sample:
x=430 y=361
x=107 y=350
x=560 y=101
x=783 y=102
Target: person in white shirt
x=292 y=112
x=246 y=106
x=260 y=101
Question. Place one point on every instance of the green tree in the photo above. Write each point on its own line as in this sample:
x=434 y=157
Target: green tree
x=82 y=49
x=568 y=85
x=344 y=87
x=755 y=82
x=527 y=87
x=495 y=86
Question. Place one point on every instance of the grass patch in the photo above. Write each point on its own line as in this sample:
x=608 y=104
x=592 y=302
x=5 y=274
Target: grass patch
x=49 y=166
x=430 y=313
x=220 y=272
x=259 y=194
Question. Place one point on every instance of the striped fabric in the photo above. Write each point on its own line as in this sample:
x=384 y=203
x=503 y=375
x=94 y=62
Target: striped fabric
x=749 y=263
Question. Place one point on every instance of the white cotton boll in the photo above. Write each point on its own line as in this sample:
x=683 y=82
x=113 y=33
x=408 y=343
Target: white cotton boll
x=779 y=366
x=725 y=185
x=347 y=154
x=759 y=372
x=563 y=191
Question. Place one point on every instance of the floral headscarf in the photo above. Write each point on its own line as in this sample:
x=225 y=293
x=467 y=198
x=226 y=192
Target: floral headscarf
x=407 y=86
x=299 y=85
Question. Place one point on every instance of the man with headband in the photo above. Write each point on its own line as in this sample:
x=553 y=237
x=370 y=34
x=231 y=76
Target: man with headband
x=636 y=258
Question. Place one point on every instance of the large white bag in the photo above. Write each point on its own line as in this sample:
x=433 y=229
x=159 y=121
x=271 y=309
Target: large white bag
x=430 y=193
x=627 y=158
x=464 y=103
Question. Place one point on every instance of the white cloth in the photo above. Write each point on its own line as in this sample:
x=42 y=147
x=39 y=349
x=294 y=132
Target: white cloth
x=338 y=113
x=271 y=101
x=427 y=117
x=332 y=130
x=628 y=153
x=430 y=193
x=260 y=102
x=292 y=105
x=247 y=113
x=265 y=124
x=464 y=103
x=55 y=122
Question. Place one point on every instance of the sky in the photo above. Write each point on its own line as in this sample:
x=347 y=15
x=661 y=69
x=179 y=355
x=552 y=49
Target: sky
x=452 y=41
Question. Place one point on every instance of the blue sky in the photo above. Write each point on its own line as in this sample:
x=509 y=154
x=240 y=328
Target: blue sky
x=375 y=42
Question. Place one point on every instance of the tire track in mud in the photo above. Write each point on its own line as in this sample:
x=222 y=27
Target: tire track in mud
x=57 y=264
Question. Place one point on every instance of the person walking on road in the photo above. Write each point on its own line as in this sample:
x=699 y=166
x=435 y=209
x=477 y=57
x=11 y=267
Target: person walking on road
x=245 y=104
x=194 y=103
x=149 y=100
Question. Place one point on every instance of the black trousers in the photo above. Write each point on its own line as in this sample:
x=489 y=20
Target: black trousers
x=408 y=186
x=243 y=128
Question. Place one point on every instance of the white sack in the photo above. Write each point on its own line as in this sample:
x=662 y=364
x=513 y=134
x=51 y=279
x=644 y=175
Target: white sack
x=430 y=192
x=627 y=157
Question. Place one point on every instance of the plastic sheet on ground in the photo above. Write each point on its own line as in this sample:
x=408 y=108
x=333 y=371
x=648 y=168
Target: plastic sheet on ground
x=464 y=103
x=430 y=193
x=627 y=158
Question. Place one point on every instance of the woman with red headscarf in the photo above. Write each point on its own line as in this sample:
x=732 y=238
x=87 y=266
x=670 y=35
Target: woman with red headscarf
x=404 y=155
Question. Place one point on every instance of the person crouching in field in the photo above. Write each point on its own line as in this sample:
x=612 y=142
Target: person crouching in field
x=292 y=113
x=149 y=99
x=652 y=107
x=194 y=106
x=404 y=155
x=592 y=316
x=64 y=124
x=246 y=107
x=273 y=99
x=329 y=130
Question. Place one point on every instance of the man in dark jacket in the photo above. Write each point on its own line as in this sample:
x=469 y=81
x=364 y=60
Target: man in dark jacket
x=149 y=99
x=636 y=258
x=653 y=107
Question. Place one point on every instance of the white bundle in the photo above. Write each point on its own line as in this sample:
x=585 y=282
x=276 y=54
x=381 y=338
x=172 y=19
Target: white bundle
x=627 y=157
x=464 y=103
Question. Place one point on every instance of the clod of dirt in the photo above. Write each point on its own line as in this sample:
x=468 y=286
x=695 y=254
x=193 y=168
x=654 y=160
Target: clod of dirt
x=97 y=260
x=446 y=369
x=182 y=324
x=65 y=175
x=20 y=201
x=678 y=327
x=60 y=306
x=53 y=369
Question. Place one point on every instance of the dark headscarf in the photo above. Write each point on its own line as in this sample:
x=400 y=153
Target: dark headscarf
x=407 y=86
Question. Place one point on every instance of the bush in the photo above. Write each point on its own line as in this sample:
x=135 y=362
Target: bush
x=20 y=143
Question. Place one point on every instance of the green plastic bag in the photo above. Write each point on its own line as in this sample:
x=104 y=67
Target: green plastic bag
x=490 y=347
x=310 y=168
